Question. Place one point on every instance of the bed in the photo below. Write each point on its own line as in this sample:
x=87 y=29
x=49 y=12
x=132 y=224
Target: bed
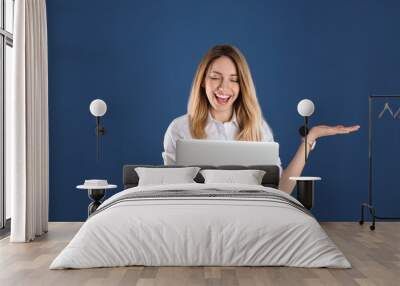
x=201 y=224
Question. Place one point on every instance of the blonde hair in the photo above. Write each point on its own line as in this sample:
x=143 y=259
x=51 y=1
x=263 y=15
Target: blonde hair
x=246 y=107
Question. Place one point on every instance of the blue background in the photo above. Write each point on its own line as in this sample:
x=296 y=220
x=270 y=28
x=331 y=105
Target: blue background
x=140 y=57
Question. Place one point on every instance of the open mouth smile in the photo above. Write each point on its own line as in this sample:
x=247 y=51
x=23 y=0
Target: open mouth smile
x=222 y=99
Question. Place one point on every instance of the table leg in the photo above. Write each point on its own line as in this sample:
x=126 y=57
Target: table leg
x=95 y=195
x=305 y=193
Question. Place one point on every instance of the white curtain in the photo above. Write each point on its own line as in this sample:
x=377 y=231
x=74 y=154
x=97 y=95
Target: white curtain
x=27 y=167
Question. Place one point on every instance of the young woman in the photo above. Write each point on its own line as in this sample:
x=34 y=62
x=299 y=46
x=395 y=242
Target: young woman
x=223 y=105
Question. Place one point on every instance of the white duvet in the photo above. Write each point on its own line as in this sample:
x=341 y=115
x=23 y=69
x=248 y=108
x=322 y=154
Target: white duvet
x=200 y=231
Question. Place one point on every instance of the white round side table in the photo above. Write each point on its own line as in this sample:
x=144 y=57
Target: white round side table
x=305 y=189
x=96 y=194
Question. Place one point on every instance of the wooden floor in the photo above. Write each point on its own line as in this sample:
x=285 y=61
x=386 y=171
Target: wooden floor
x=375 y=257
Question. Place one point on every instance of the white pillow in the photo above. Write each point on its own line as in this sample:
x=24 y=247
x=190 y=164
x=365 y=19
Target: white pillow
x=249 y=177
x=162 y=176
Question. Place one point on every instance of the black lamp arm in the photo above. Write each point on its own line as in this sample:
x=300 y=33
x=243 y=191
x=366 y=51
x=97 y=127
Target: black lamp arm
x=304 y=130
x=100 y=130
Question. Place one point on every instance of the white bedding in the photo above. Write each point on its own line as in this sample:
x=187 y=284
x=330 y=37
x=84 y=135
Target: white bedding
x=200 y=231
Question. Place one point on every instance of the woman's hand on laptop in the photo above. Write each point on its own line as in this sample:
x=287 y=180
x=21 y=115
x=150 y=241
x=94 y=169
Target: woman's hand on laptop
x=325 y=130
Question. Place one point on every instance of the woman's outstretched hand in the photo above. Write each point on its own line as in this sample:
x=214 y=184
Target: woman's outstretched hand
x=325 y=130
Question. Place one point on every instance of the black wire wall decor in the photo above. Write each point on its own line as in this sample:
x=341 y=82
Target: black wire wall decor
x=395 y=115
x=386 y=109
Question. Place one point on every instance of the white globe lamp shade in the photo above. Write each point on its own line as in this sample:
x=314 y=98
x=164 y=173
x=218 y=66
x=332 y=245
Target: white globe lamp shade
x=305 y=107
x=98 y=107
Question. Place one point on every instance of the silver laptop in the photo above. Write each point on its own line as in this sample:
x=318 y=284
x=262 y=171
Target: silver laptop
x=221 y=152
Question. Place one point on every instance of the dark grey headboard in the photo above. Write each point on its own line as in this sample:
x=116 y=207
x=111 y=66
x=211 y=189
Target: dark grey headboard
x=271 y=178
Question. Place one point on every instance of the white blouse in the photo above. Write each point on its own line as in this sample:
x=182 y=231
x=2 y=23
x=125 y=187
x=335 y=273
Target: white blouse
x=216 y=130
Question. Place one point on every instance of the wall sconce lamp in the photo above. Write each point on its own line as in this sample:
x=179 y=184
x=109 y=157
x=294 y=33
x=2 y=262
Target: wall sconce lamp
x=98 y=108
x=305 y=108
